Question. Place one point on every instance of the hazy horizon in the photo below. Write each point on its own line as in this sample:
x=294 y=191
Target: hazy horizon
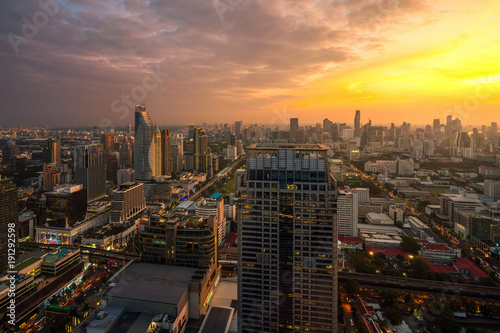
x=74 y=63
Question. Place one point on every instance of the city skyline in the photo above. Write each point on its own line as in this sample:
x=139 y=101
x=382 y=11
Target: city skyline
x=392 y=60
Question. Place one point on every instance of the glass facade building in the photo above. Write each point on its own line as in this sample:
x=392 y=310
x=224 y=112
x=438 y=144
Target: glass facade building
x=287 y=250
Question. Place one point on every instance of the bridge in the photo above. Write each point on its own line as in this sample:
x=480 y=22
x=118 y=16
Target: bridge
x=84 y=249
x=441 y=288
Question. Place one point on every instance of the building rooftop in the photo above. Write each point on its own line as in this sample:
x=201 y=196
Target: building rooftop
x=217 y=320
x=26 y=263
x=57 y=255
x=153 y=283
x=216 y=195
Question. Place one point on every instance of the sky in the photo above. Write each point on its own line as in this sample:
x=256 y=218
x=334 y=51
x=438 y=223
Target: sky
x=88 y=62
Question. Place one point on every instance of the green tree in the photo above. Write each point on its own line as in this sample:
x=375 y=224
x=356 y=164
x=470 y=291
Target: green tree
x=410 y=245
x=352 y=287
x=393 y=314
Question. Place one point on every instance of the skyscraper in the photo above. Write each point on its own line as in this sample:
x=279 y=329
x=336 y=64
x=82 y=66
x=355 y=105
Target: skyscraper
x=90 y=170
x=53 y=152
x=108 y=141
x=166 y=158
x=357 y=124
x=436 y=127
x=294 y=127
x=287 y=251
x=144 y=152
x=157 y=146
x=8 y=215
x=348 y=213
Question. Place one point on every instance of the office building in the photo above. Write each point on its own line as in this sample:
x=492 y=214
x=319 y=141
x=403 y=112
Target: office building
x=52 y=154
x=9 y=153
x=65 y=205
x=145 y=151
x=8 y=218
x=347 y=202
x=108 y=141
x=357 y=124
x=166 y=153
x=492 y=189
x=51 y=176
x=214 y=206
x=294 y=127
x=287 y=246
x=128 y=201
x=124 y=176
x=181 y=240
x=90 y=170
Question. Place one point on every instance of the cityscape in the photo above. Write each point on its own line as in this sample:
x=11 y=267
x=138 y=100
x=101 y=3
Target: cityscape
x=249 y=166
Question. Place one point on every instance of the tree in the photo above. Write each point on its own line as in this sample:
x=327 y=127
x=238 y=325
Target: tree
x=410 y=245
x=389 y=297
x=393 y=314
x=352 y=287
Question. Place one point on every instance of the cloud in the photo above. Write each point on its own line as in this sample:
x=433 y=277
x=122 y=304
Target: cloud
x=93 y=51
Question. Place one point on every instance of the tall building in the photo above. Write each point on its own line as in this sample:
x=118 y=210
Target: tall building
x=126 y=153
x=436 y=127
x=214 y=206
x=9 y=153
x=51 y=176
x=348 y=213
x=166 y=153
x=158 y=152
x=128 y=201
x=357 y=124
x=108 y=141
x=177 y=151
x=287 y=250
x=8 y=218
x=65 y=205
x=294 y=127
x=237 y=128
x=53 y=152
x=90 y=170
x=144 y=152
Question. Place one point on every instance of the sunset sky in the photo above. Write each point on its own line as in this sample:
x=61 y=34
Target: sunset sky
x=259 y=61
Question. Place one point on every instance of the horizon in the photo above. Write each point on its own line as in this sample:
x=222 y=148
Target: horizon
x=89 y=62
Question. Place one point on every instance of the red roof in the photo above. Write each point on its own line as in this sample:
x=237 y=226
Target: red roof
x=437 y=247
x=440 y=268
x=370 y=325
x=230 y=239
x=387 y=251
x=363 y=309
x=345 y=239
x=466 y=264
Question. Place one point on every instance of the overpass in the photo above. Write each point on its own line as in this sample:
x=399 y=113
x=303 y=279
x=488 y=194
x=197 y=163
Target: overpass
x=441 y=288
x=84 y=249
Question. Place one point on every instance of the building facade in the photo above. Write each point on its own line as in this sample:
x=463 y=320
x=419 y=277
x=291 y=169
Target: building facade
x=287 y=247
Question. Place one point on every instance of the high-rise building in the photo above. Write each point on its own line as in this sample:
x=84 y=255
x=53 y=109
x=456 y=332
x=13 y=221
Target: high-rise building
x=53 y=152
x=90 y=170
x=436 y=127
x=9 y=153
x=294 y=127
x=144 y=152
x=51 y=176
x=158 y=152
x=214 y=206
x=348 y=213
x=126 y=153
x=108 y=141
x=166 y=152
x=237 y=128
x=8 y=219
x=128 y=201
x=357 y=124
x=65 y=205
x=287 y=247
